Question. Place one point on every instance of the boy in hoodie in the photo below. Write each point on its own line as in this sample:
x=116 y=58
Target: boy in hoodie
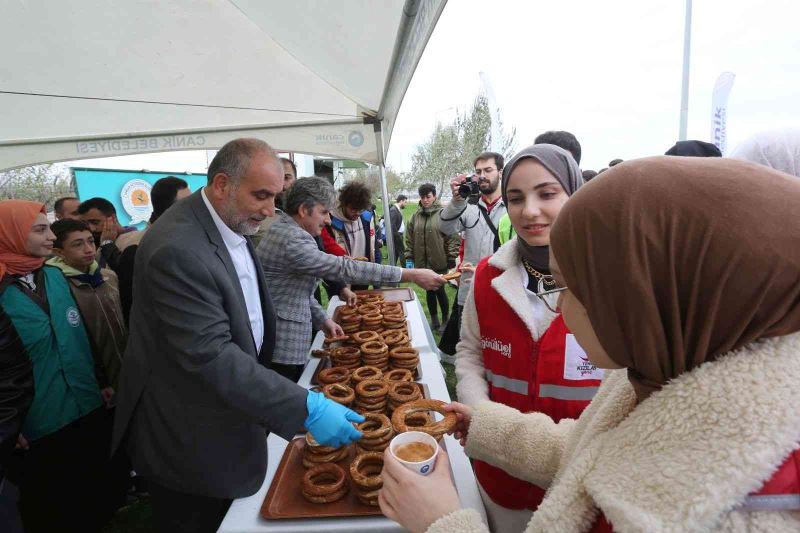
x=96 y=291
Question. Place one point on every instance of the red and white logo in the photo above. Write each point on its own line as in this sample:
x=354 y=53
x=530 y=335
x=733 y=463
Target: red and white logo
x=502 y=348
x=576 y=364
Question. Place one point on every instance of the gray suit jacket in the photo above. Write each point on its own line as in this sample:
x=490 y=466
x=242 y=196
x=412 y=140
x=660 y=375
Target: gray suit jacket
x=293 y=264
x=195 y=398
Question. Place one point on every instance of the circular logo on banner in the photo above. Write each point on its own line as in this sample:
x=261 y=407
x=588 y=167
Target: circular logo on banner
x=355 y=138
x=135 y=198
x=73 y=317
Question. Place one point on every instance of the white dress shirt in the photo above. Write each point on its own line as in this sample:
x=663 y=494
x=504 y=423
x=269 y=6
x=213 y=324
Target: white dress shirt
x=245 y=269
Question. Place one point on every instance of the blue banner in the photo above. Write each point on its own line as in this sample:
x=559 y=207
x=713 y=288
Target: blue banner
x=128 y=190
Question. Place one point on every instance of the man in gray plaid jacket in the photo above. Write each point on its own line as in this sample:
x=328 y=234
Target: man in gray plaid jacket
x=293 y=265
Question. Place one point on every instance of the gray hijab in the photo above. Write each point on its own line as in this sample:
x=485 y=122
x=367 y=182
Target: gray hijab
x=563 y=167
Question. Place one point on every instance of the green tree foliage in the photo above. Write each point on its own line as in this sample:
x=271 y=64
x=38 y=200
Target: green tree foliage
x=396 y=182
x=451 y=148
x=439 y=157
x=40 y=183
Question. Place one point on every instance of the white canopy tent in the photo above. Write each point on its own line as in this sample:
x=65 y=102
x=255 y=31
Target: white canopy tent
x=100 y=78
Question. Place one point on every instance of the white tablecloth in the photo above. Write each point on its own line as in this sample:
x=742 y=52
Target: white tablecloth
x=243 y=515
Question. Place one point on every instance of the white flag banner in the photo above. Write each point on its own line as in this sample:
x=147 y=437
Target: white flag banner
x=497 y=136
x=719 y=110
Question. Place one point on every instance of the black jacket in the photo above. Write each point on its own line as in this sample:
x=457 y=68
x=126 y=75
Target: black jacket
x=396 y=219
x=16 y=387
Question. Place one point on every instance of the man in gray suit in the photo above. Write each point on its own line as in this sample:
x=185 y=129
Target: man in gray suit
x=197 y=396
x=293 y=265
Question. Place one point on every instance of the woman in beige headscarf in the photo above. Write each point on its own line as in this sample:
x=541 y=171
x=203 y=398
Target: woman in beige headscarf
x=685 y=275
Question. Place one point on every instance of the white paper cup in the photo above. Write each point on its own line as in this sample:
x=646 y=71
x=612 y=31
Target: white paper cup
x=422 y=468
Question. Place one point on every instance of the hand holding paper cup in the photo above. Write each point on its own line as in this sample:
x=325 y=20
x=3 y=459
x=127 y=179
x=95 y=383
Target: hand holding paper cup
x=416 y=451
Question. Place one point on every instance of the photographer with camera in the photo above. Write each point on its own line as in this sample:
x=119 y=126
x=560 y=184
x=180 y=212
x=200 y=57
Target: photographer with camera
x=475 y=210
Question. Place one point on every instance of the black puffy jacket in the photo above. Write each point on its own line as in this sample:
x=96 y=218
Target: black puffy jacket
x=16 y=387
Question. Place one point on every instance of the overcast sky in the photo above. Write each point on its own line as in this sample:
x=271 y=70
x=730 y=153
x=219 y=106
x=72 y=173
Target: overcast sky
x=608 y=71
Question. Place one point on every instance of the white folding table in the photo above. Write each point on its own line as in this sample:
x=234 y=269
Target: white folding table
x=243 y=516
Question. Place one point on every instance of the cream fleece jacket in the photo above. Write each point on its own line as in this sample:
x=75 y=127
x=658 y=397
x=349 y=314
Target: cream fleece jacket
x=684 y=459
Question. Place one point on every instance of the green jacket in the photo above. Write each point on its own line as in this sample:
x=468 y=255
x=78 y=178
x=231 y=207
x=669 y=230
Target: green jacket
x=51 y=329
x=505 y=230
x=426 y=245
x=97 y=296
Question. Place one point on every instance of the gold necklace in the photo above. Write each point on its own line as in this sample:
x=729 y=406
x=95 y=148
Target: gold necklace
x=543 y=278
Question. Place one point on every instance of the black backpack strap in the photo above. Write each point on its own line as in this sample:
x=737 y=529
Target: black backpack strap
x=485 y=214
x=455 y=217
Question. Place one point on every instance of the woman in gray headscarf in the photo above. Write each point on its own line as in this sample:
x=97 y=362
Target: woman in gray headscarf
x=514 y=346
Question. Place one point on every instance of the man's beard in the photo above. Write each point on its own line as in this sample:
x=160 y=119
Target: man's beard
x=280 y=199
x=488 y=186
x=238 y=223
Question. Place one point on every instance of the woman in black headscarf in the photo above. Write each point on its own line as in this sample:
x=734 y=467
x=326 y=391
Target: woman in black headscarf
x=515 y=348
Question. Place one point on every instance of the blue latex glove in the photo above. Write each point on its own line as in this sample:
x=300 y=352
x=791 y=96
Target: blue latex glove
x=330 y=422
x=409 y=263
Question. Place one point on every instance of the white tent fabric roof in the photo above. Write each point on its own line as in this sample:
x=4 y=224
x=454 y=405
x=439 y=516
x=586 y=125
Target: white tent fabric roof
x=98 y=78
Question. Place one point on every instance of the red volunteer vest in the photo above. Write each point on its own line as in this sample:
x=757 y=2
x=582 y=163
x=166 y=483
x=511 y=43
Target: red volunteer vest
x=780 y=493
x=527 y=375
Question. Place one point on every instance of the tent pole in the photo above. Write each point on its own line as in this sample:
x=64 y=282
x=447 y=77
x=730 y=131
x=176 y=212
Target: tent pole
x=387 y=223
x=384 y=194
x=687 y=40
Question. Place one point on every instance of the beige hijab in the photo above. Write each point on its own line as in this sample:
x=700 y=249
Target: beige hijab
x=680 y=260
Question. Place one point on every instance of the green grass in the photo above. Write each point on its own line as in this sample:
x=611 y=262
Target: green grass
x=408 y=210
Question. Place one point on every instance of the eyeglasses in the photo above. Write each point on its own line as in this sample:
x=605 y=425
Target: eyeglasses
x=484 y=171
x=542 y=294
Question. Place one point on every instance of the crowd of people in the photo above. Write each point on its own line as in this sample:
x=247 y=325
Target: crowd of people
x=626 y=352
x=96 y=319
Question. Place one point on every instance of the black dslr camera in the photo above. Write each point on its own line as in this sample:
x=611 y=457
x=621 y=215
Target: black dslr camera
x=470 y=189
